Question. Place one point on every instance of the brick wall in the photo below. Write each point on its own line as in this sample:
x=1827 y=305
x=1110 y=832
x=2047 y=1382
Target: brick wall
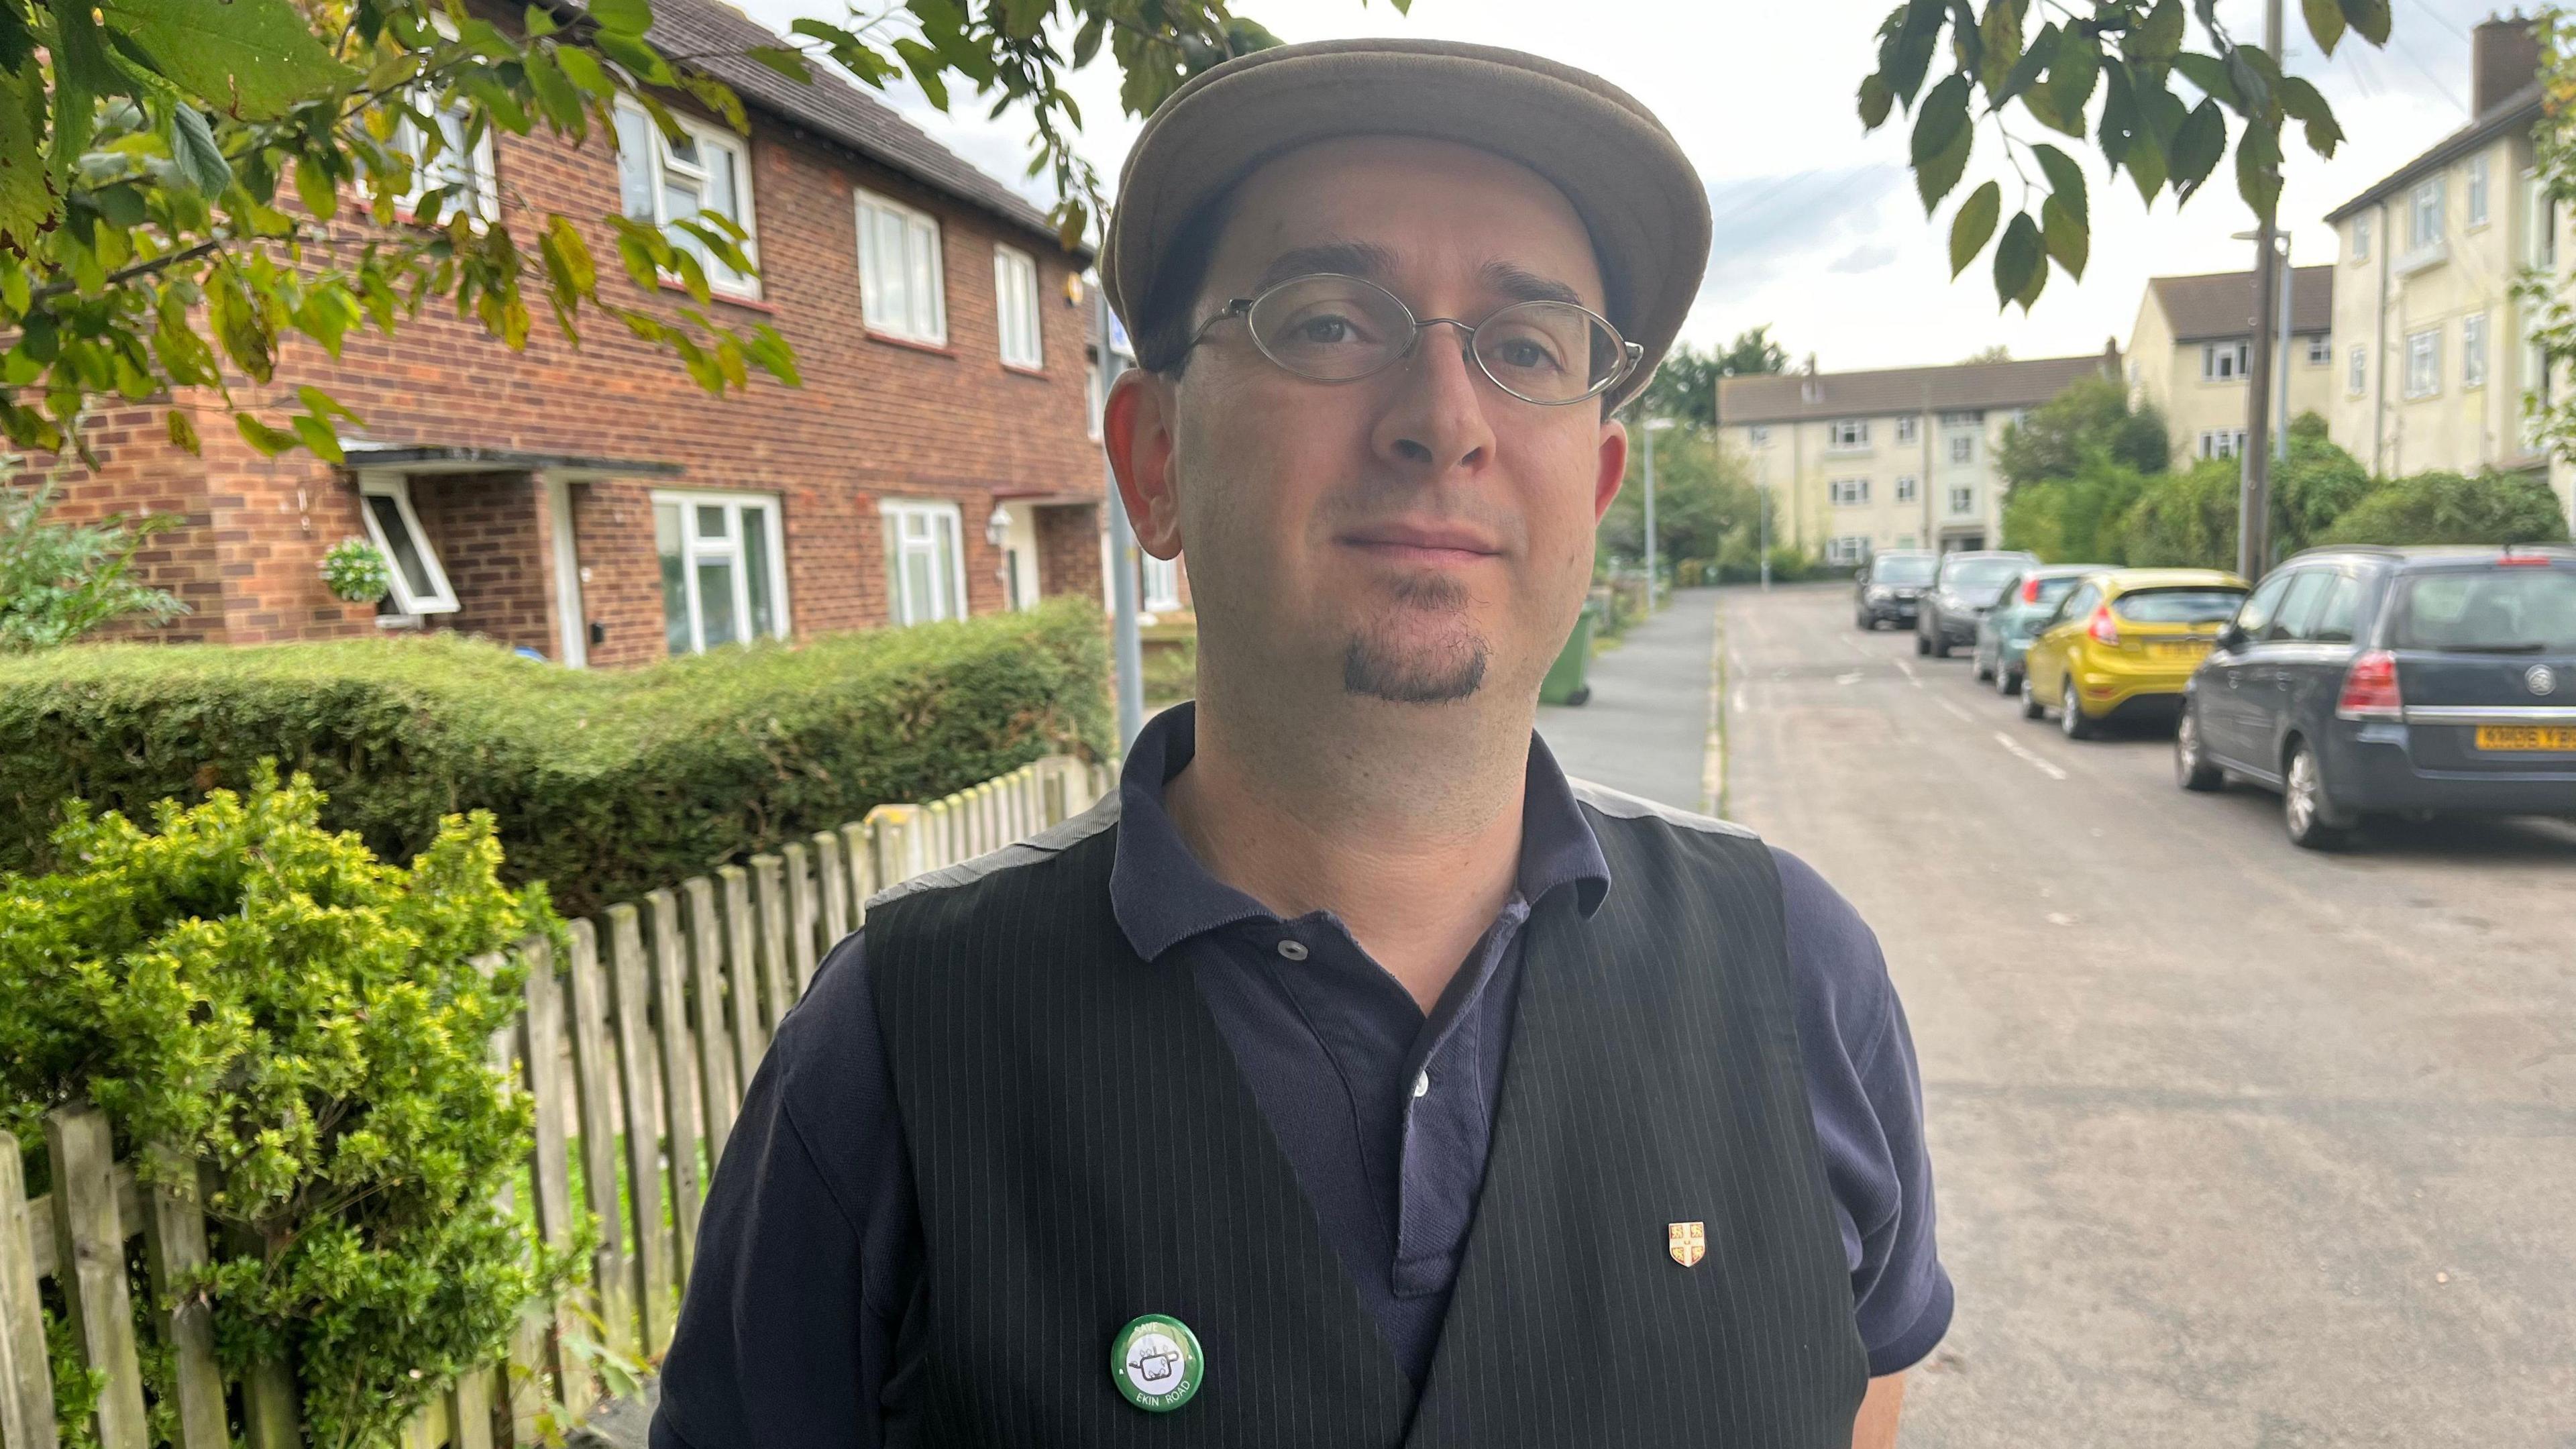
x=1069 y=550
x=875 y=419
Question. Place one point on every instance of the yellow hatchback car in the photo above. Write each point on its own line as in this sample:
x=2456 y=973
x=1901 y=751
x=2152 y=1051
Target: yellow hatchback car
x=2123 y=643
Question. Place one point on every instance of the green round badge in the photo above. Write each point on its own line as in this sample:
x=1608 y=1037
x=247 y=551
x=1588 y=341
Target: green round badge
x=1156 y=1362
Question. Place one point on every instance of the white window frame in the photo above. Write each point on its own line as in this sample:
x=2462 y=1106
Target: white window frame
x=483 y=200
x=2357 y=371
x=1905 y=429
x=1907 y=486
x=1963 y=501
x=1847 y=435
x=2540 y=217
x=1968 y=418
x=1159 y=584
x=2535 y=392
x=659 y=162
x=875 y=309
x=442 y=596
x=2361 y=237
x=2225 y=361
x=1758 y=436
x=2424 y=216
x=1963 y=447
x=2473 y=350
x=2475 y=205
x=1848 y=492
x=891 y=513
x=2222 y=442
x=2424 y=362
x=693 y=548
x=2321 y=351
x=1013 y=302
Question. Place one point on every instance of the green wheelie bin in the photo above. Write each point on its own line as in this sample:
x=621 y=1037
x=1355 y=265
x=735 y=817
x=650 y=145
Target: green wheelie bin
x=1568 y=680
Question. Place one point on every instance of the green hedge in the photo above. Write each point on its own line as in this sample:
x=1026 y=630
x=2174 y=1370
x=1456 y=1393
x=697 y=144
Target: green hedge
x=604 y=784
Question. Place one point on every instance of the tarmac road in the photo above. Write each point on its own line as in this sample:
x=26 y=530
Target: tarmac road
x=2235 y=1144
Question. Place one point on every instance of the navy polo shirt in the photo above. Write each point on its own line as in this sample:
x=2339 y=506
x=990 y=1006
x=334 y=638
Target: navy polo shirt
x=809 y=1250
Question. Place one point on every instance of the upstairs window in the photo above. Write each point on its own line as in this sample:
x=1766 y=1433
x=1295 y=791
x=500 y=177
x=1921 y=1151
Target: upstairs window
x=2361 y=238
x=2225 y=361
x=1905 y=430
x=901 y=288
x=2424 y=216
x=2357 y=375
x=704 y=174
x=1963 y=448
x=1848 y=433
x=2477 y=197
x=1848 y=490
x=1905 y=489
x=2424 y=363
x=1963 y=500
x=1015 y=299
x=2320 y=351
x=442 y=160
x=1760 y=436
x=2473 y=350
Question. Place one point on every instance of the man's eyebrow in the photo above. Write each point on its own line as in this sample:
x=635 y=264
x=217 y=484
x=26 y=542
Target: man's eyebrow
x=1523 y=285
x=1350 y=258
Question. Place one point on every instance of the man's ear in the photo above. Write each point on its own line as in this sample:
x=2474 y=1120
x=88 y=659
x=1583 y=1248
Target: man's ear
x=1136 y=428
x=1612 y=466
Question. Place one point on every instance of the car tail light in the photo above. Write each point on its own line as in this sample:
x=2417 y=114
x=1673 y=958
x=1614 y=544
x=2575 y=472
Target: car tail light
x=2523 y=560
x=2030 y=591
x=2370 y=689
x=2102 y=628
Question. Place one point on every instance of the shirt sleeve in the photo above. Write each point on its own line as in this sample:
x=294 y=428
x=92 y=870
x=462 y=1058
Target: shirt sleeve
x=1867 y=1098
x=808 y=1247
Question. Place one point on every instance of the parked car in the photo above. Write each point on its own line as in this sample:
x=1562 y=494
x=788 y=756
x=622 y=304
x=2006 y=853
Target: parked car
x=1886 y=590
x=2393 y=679
x=2004 y=632
x=2124 y=644
x=1970 y=582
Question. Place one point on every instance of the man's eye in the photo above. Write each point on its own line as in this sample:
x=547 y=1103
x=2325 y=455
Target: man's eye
x=1526 y=355
x=1324 y=330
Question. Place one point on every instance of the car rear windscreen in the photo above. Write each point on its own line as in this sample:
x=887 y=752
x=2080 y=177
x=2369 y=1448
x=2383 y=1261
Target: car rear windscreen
x=1987 y=574
x=1903 y=572
x=2505 y=610
x=2178 y=606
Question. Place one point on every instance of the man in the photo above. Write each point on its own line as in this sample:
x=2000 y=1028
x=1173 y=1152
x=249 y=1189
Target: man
x=1350 y=1077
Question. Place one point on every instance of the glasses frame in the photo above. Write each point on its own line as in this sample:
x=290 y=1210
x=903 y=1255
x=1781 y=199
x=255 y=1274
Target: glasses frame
x=1630 y=353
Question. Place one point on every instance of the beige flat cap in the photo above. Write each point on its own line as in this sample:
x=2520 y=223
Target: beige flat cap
x=1633 y=187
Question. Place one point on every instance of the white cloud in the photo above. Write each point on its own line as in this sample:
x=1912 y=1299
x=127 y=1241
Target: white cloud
x=1819 y=232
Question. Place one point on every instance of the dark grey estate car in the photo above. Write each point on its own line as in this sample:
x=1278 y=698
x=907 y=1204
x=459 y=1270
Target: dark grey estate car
x=2357 y=680
x=1887 y=589
x=1970 y=582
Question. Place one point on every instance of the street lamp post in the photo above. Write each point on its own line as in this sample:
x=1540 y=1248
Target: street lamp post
x=1126 y=646
x=1653 y=426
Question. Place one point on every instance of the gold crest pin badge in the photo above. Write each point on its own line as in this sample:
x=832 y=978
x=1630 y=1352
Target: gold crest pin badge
x=1688 y=1242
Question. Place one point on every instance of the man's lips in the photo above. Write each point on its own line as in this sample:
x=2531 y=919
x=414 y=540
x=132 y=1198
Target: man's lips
x=1424 y=545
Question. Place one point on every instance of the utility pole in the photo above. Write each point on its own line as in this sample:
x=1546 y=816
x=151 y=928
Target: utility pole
x=2281 y=374
x=2254 y=496
x=1127 y=649
x=1649 y=425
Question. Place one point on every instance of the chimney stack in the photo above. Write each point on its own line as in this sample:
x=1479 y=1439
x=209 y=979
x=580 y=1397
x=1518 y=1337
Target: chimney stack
x=2504 y=56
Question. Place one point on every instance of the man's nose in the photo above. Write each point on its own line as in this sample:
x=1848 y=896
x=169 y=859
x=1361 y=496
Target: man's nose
x=1435 y=419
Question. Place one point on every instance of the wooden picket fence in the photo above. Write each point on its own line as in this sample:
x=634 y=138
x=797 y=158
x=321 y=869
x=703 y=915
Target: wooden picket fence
x=637 y=1051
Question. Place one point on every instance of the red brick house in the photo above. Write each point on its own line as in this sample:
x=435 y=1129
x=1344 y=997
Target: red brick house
x=595 y=505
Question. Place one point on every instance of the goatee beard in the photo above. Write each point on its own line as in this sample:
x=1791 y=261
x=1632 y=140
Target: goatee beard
x=1376 y=666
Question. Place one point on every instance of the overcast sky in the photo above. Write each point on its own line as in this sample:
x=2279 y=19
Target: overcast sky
x=1819 y=233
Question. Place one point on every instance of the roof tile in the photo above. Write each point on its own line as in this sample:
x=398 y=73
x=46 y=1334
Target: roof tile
x=1799 y=396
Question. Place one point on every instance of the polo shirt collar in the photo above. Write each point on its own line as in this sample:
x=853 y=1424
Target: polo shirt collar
x=1163 y=896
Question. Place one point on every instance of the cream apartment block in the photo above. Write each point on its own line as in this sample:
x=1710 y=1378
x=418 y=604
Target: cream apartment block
x=2194 y=340
x=1902 y=458
x=2432 y=359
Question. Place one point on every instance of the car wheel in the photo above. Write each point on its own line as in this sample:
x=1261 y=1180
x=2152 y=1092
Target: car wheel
x=2031 y=708
x=2192 y=769
x=2007 y=681
x=2071 y=714
x=2307 y=810
x=1940 y=644
x=1982 y=669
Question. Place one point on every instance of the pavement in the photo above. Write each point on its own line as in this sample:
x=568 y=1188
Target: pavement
x=1645 y=729
x=2235 y=1144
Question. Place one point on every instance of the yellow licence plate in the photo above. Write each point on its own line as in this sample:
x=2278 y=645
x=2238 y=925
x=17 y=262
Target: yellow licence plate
x=2187 y=649
x=2527 y=737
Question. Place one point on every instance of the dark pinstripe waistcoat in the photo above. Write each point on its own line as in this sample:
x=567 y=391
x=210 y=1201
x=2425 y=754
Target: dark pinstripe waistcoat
x=1085 y=1151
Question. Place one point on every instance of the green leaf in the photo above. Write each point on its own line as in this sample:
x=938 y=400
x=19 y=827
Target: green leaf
x=564 y=247
x=1999 y=42
x=2160 y=36
x=2021 y=268
x=1876 y=100
x=2026 y=69
x=1974 y=225
x=2325 y=23
x=27 y=203
x=2210 y=74
x=2197 y=147
x=1021 y=18
x=2072 y=73
x=556 y=95
x=2305 y=105
x=789 y=63
x=269 y=441
x=2258 y=169
x=2120 y=121
x=322 y=405
x=2065 y=178
x=1908 y=54
x=925 y=65
x=183 y=431
x=641 y=60
x=82 y=73
x=2066 y=235
x=2370 y=17
x=316 y=188
x=584 y=70
x=622 y=17
x=317 y=435
x=1942 y=139
x=193 y=150
x=1086 y=41
x=254 y=58
x=539 y=22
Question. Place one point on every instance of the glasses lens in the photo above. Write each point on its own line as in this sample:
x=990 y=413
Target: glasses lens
x=1548 y=352
x=1329 y=328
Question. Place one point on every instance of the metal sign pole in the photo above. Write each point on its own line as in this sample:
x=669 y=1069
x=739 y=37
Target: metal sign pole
x=1127 y=648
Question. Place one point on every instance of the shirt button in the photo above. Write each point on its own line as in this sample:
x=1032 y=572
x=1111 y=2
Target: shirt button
x=1422 y=1085
x=1293 y=950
